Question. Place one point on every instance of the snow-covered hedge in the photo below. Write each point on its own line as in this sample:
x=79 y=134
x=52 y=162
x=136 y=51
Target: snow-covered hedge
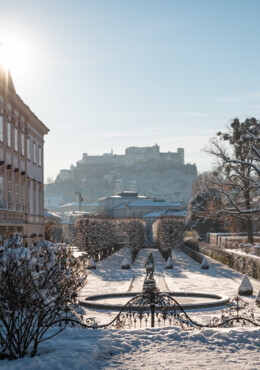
x=168 y=234
x=95 y=236
x=36 y=288
x=98 y=237
x=135 y=236
x=243 y=263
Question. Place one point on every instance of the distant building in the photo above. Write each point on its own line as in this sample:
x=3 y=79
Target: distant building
x=67 y=230
x=132 y=156
x=95 y=164
x=107 y=206
x=21 y=164
x=130 y=204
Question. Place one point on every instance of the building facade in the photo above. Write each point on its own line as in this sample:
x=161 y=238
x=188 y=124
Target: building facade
x=21 y=164
x=129 y=204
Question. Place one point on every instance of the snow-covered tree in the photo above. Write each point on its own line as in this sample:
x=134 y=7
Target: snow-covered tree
x=202 y=215
x=36 y=288
x=238 y=169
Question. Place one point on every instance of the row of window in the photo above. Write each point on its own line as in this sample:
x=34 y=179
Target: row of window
x=16 y=139
x=21 y=206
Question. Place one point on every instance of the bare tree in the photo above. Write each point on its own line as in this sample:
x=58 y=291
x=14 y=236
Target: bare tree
x=237 y=170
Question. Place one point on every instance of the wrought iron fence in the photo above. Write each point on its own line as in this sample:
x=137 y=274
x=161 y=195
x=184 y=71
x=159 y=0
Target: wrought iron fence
x=155 y=309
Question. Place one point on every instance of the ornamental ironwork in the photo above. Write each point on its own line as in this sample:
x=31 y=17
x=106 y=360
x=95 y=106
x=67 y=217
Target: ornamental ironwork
x=151 y=308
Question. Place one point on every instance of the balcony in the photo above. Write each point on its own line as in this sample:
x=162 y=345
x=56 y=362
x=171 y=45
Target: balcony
x=18 y=217
x=8 y=216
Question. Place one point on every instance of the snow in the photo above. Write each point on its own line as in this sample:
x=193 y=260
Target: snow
x=204 y=263
x=157 y=348
x=125 y=264
x=245 y=287
x=164 y=348
x=169 y=263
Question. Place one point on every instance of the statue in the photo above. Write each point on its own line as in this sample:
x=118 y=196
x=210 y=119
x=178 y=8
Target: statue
x=149 y=265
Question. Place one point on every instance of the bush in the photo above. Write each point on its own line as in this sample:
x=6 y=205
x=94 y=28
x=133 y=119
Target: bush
x=36 y=287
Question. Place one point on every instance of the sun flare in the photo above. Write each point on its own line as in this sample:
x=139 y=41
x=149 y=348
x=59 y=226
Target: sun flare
x=13 y=55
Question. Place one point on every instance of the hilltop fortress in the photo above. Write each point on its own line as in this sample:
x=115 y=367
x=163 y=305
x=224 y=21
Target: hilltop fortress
x=132 y=156
x=143 y=169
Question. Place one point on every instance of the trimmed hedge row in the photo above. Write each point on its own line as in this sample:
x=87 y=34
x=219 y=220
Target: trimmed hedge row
x=168 y=234
x=99 y=237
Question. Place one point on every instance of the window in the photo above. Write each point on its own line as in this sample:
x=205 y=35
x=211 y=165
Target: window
x=22 y=144
x=16 y=196
x=28 y=149
x=9 y=134
x=9 y=194
x=40 y=202
x=28 y=199
x=23 y=197
x=34 y=201
x=16 y=139
x=1 y=191
x=1 y=128
x=40 y=156
x=34 y=152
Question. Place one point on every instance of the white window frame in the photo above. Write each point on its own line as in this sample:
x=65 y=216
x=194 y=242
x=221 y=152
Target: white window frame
x=28 y=148
x=1 y=128
x=40 y=156
x=2 y=194
x=28 y=198
x=22 y=143
x=8 y=134
x=34 y=152
x=16 y=139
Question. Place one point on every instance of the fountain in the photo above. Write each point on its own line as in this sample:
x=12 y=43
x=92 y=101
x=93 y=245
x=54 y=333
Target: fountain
x=151 y=294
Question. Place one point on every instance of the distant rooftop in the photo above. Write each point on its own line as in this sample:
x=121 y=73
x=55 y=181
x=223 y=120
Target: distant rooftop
x=168 y=212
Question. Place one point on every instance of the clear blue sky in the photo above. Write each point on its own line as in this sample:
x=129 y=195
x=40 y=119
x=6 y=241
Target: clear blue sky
x=116 y=73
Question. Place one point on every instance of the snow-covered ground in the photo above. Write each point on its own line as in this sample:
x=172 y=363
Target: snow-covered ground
x=158 y=348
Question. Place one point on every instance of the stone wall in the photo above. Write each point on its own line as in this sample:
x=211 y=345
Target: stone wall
x=226 y=240
x=245 y=264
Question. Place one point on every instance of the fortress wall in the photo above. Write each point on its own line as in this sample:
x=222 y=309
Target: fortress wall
x=88 y=165
x=96 y=159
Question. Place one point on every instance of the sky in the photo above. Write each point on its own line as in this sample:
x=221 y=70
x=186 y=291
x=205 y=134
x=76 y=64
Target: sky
x=109 y=74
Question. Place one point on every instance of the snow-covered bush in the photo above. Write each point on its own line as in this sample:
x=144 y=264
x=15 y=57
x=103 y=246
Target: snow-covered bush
x=168 y=234
x=36 y=287
x=169 y=264
x=245 y=287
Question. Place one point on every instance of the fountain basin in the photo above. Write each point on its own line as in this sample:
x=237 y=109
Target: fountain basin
x=187 y=300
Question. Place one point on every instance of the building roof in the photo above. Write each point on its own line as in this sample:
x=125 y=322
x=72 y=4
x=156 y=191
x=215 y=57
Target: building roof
x=76 y=204
x=155 y=203
x=125 y=195
x=168 y=212
x=48 y=214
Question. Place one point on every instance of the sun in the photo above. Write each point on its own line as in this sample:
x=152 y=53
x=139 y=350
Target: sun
x=13 y=54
